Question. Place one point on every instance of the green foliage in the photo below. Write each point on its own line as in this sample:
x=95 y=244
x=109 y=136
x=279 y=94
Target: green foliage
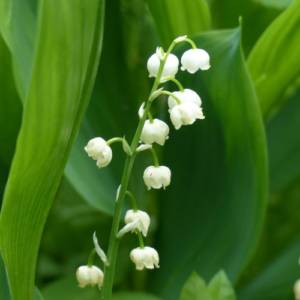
x=221 y=288
x=232 y=128
x=273 y=59
x=60 y=86
x=213 y=213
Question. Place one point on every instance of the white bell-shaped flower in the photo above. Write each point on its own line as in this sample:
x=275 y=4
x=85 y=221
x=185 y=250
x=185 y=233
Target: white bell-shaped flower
x=186 y=96
x=157 y=177
x=89 y=276
x=170 y=68
x=100 y=151
x=157 y=132
x=145 y=258
x=143 y=220
x=195 y=59
x=297 y=289
x=185 y=114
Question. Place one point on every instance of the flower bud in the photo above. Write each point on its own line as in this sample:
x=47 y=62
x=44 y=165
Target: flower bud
x=170 y=67
x=146 y=257
x=89 y=275
x=195 y=59
x=157 y=177
x=98 y=150
x=185 y=114
x=155 y=132
x=186 y=96
x=143 y=222
x=297 y=289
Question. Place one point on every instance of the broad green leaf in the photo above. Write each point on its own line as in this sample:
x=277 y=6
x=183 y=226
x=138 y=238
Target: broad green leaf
x=276 y=281
x=4 y=283
x=274 y=62
x=284 y=144
x=65 y=64
x=220 y=287
x=121 y=86
x=279 y=4
x=195 y=289
x=18 y=25
x=67 y=288
x=177 y=18
x=212 y=213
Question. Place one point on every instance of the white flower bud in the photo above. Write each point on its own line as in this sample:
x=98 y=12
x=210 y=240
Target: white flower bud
x=143 y=220
x=186 y=96
x=98 y=150
x=170 y=68
x=141 y=110
x=297 y=289
x=146 y=257
x=155 y=132
x=89 y=275
x=185 y=114
x=195 y=59
x=157 y=177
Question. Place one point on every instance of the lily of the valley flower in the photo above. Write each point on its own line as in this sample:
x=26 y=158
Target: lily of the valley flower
x=89 y=276
x=145 y=258
x=100 y=151
x=297 y=289
x=186 y=96
x=195 y=59
x=170 y=67
x=157 y=177
x=143 y=220
x=157 y=131
x=185 y=114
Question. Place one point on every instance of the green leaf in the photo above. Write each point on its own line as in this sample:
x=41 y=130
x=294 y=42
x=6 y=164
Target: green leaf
x=18 y=25
x=274 y=62
x=213 y=211
x=276 y=281
x=178 y=18
x=279 y=4
x=284 y=144
x=4 y=283
x=220 y=287
x=65 y=64
x=134 y=296
x=117 y=95
x=195 y=289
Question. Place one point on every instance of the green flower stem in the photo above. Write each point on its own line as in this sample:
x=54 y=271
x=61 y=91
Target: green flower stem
x=174 y=80
x=172 y=95
x=156 y=164
x=109 y=142
x=140 y=238
x=150 y=117
x=134 y=206
x=114 y=241
x=191 y=42
x=91 y=258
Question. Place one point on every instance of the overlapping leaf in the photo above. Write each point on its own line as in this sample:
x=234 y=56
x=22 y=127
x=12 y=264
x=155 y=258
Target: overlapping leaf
x=66 y=57
x=213 y=211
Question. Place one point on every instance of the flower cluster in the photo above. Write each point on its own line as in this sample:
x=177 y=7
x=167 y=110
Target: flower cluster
x=185 y=109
